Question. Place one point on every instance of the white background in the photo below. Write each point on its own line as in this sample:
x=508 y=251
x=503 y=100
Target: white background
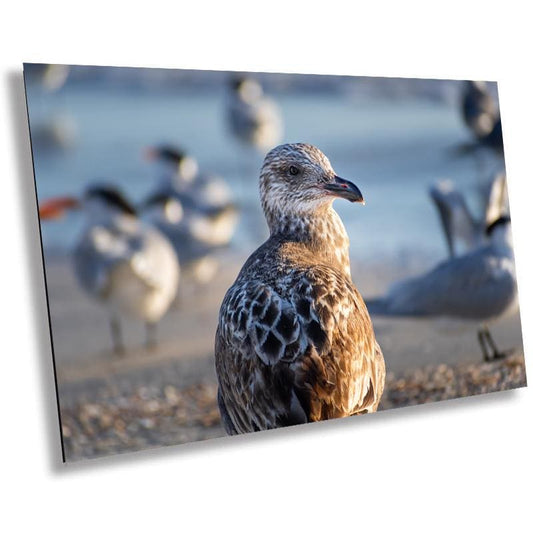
x=464 y=465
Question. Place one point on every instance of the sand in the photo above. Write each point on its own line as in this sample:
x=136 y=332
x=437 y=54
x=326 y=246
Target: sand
x=111 y=404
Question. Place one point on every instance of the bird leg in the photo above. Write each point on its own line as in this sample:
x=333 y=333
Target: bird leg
x=481 y=335
x=150 y=343
x=116 y=336
x=496 y=354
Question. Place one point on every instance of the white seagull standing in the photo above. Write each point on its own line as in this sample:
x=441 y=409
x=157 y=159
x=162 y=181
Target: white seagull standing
x=295 y=343
x=120 y=261
x=478 y=286
x=253 y=118
x=459 y=225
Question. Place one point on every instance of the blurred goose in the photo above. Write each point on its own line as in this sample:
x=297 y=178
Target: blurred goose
x=205 y=200
x=458 y=223
x=120 y=261
x=252 y=117
x=479 y=286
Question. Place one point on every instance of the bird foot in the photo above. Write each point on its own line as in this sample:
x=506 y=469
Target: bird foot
x=150 y=347
x=119 y=351
x=497 y=356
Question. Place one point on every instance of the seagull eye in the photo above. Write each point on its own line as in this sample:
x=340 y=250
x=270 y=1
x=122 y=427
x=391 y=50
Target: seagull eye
x=293 y=171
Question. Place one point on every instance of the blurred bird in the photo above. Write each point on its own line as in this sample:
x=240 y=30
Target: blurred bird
x=120 y=261
x=207 y=210
x=458 y=223
x=253 y=118
x=480 y=112
x=479 y=286
x=49 y=77
x=482 y=116
x=189 y=233
x=294 y=342
x=494 y=138
x=57 y=132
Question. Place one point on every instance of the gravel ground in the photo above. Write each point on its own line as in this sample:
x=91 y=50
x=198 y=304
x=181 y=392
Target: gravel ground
x=115 y=415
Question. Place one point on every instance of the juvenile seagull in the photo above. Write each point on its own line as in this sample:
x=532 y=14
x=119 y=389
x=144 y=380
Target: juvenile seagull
x=479 y=286
x=123 y=263
x=253 y=118
x=295 y=343
x=459 y=225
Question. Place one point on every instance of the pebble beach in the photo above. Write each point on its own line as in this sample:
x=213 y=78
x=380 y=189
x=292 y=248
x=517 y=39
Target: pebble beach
x=113 y=404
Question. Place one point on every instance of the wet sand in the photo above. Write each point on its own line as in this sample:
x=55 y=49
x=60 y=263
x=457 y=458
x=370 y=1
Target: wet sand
x=112 y=404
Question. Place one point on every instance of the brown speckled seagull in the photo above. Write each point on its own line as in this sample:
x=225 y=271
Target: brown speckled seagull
x=295 y=343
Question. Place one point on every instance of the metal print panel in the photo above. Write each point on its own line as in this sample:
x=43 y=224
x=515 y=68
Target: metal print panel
x=228 y=253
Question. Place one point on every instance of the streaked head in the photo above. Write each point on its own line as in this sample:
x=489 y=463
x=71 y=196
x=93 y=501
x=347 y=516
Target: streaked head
x=298 y=179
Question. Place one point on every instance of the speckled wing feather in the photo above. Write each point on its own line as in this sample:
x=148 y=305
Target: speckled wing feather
x=297 y=348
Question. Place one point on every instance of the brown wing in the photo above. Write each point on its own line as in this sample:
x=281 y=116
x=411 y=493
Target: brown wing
x=346 y=375
x=297 y=351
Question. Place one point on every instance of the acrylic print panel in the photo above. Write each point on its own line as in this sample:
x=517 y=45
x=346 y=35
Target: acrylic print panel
x=153 y=188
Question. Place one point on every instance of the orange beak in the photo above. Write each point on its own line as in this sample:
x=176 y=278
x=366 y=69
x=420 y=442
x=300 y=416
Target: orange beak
x=149 y=153
x=54 y=208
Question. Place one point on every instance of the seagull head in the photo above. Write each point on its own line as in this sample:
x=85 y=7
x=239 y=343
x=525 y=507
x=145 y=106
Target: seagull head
x=98 y=201
x=163 y=207
x=174 y=161
x=298 y=179
x=476 y=86
x=247 y=89
x=106 y=198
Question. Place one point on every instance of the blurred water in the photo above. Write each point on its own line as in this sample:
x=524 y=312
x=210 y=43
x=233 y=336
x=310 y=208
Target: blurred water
x=393 y=149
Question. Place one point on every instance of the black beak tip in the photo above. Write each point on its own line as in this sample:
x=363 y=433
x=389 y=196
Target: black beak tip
x=346 y=189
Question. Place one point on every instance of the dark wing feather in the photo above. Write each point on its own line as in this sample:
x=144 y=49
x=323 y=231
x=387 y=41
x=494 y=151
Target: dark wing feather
x=295 y=351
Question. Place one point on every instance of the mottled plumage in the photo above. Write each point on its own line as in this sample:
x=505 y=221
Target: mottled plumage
x=295 y=342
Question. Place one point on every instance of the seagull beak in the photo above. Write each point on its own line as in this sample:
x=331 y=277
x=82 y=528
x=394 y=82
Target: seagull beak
x=345 y=189
x=55 y=207
x=149 y=154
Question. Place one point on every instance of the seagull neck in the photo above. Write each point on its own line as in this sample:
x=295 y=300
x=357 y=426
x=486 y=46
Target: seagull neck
x=321 y=232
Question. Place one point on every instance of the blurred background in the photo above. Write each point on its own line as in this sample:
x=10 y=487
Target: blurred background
x=393 y=137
